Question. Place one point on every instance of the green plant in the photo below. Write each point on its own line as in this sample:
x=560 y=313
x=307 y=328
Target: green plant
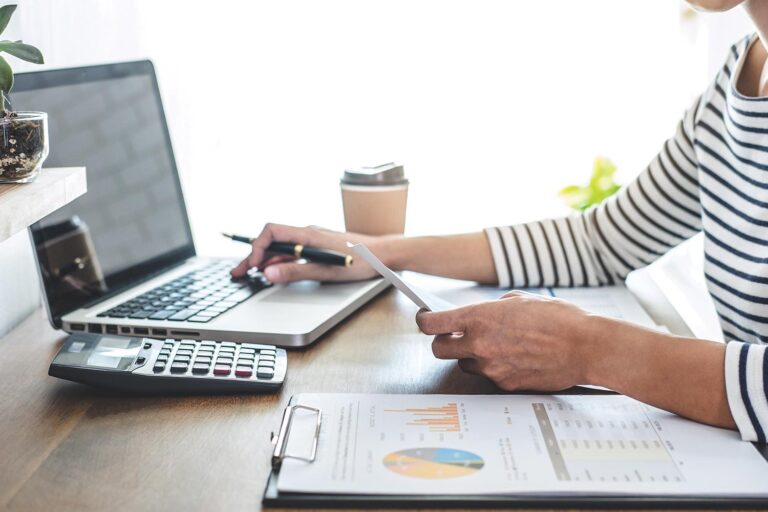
x=19 y=50
x=600 y=186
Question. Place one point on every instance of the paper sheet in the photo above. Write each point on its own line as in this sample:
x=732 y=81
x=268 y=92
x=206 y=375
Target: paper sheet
x=420 y=297
x=514 y=444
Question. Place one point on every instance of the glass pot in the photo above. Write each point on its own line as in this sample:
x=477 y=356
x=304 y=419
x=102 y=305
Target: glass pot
x=23 y=146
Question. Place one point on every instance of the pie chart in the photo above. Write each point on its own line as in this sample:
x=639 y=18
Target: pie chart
x=433 y=463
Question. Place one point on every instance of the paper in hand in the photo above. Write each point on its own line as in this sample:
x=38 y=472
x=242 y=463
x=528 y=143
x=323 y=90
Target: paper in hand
x=421 y=298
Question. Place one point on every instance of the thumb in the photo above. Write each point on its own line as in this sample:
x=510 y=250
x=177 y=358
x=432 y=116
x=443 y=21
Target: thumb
x=289 y=272
x=442 y=322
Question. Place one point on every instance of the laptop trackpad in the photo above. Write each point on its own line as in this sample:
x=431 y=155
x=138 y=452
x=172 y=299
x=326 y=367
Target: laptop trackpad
x=311 y=292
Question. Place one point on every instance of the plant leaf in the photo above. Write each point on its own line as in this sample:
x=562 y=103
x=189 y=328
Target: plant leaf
x=6 y=12
x=6 y=76
x=22 y=51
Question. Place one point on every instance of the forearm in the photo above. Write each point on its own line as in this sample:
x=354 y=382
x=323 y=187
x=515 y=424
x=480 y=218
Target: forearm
x=682 y=375
x=465 y=256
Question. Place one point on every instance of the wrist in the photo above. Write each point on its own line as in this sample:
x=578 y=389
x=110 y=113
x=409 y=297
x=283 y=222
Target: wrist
x=605 y=353
x=390 y=249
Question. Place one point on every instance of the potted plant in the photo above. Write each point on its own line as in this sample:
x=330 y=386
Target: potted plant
x=23 y=135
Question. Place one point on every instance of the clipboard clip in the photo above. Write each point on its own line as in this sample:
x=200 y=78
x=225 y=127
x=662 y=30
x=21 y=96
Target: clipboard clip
x=281 y=439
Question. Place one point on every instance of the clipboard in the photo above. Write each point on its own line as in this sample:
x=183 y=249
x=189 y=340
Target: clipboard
x=274 y=498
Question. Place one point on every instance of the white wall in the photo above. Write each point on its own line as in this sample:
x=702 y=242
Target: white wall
x=492 y=106
x=70 y=33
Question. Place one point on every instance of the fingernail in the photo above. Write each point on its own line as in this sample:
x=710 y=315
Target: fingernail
x=272 y=273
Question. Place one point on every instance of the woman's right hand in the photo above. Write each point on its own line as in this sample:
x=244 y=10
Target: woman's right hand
x=280 y=268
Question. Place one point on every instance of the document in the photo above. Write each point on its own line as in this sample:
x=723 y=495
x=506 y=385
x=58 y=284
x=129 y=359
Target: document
x=517 y=444
x=420 y=297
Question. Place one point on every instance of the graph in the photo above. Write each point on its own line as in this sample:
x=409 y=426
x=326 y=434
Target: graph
x=436 y=419
x=433 y=463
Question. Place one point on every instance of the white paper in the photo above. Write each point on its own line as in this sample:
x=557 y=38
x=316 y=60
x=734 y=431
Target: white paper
x=516 y=444
x=420 y=297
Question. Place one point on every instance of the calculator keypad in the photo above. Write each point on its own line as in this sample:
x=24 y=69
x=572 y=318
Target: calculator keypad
x=219 y=359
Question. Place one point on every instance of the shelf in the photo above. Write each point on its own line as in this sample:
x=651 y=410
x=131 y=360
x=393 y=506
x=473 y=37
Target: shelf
x=24 y=204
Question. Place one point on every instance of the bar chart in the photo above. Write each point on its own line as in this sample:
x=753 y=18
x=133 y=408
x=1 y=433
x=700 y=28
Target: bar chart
x=443 y=418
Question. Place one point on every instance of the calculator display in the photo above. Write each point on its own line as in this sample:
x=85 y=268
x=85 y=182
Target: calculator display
x=114 y=352
x=108 y=352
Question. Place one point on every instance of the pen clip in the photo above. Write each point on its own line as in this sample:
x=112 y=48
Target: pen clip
x=281 y=440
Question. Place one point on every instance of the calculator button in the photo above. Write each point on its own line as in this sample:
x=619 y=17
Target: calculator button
x=203 y=359
x=200 y=319
x=162 y=358
x=200 y=368
x=147 y=346
x=184 y=352
x=224 y=360
x=165 y=352
x=265 y=373
x=141 y=360
x=247 y=351
x=227 y=349
x=268 y=352
x=249 y=346
x=266 y=364
x=208 y=344
x=182 y=358
x=179 y=368
x=266 y=357
x=222 y=369
x=243 y=371
x=228 y=344
x=246 y=357
x=159 y=367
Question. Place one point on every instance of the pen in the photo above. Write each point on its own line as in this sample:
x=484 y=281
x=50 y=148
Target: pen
x=308 y=253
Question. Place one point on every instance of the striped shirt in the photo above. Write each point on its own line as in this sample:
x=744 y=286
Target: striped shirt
x=711 y=176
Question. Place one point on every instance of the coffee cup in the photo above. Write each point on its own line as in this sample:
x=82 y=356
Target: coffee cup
x=374 y=199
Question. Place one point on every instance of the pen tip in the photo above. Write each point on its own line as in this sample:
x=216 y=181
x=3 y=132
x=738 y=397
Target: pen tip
x=226 y=235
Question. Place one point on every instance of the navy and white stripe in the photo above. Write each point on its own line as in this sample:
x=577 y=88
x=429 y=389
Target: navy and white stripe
x=712 y=175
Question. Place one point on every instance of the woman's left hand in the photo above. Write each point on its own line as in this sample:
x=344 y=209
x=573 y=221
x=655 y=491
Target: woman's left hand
x=521 y=341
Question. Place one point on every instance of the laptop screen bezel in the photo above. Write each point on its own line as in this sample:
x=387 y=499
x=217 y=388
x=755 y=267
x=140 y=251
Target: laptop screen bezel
x=120 y=281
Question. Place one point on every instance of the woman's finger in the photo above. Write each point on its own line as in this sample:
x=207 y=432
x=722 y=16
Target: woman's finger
x=470 y=366
x=451 y=346
x=289 y=272
x=274 y=260
x=241 y=269
x=442 y=322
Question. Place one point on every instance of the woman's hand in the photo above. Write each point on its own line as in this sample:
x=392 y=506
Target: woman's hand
x=283 y=269
x=521 y=341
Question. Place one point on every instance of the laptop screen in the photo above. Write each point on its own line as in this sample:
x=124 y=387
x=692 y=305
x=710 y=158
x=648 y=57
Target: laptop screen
x=132 y=222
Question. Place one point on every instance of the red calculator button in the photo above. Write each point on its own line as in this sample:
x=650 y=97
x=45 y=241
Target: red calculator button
x=222 y=369
x=243 y=371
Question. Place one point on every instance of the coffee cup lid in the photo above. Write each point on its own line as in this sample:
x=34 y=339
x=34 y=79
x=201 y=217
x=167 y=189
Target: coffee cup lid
x=385 y=174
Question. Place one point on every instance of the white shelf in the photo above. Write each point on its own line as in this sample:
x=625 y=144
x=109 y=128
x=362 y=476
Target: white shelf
x=24 y=204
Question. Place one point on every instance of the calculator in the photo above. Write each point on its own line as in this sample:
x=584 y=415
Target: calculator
x=182 y=366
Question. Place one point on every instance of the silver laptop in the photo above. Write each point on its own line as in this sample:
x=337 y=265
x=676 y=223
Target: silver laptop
x=121 y=259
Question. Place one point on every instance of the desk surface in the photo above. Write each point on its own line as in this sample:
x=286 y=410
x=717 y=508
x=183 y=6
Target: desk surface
x=65 y=446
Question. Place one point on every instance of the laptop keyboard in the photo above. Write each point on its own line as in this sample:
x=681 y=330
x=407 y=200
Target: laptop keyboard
x=199 y=296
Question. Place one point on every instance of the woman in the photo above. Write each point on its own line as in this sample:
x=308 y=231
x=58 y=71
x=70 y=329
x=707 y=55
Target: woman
x=711 y=176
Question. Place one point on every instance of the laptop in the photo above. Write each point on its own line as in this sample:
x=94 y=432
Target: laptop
x=120 y=259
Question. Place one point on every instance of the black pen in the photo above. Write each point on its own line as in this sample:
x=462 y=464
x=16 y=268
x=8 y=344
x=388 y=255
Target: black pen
x=308 y=253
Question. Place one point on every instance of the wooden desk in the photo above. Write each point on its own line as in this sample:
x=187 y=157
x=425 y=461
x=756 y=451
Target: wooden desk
x=65 y=446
